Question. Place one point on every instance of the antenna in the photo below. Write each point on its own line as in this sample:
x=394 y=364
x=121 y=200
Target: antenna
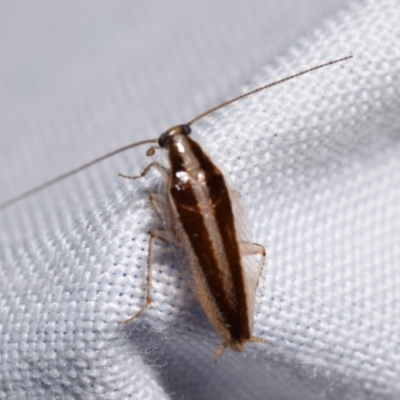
x=259 y=89
x=69 y=173
x=59 y=178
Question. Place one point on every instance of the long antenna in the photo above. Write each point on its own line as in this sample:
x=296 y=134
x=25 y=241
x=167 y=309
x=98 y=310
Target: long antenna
x=69 y=173
x=120 y=150
x=259 y=89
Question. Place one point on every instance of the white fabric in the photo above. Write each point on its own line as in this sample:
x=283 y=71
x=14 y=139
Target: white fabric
x=316 y=161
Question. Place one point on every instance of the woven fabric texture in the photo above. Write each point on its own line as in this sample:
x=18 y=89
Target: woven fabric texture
x=316 y=161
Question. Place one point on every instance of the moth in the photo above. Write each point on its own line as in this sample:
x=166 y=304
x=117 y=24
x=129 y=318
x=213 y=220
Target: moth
x=202 y=216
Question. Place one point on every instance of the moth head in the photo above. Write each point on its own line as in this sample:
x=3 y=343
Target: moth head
x=165 y=138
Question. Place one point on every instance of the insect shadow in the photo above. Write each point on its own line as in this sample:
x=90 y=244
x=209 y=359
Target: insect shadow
x=183 y=367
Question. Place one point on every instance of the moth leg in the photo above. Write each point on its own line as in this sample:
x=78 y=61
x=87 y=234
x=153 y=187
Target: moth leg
x=255 y=339
x=156 y=165
x=222 y=347
x=249 y=249
x=165 y=237
x=220 y=350
x=156 y=199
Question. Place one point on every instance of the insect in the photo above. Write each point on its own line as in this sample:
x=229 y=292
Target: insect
x=201 y=213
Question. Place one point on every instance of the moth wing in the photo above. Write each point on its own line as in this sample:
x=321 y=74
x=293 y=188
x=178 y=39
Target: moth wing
x=250 y=259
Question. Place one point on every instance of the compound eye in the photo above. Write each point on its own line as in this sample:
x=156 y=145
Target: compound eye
x=185 y=129
x=164 y=139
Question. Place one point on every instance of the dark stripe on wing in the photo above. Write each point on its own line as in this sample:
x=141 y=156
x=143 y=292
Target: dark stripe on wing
x=232 y=305
x=221 y=201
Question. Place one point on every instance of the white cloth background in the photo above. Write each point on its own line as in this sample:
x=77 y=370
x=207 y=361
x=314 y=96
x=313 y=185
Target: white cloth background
x=316 y=160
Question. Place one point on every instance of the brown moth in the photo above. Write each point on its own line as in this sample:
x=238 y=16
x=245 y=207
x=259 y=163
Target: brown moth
x=201 y=215
x=198 y=210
